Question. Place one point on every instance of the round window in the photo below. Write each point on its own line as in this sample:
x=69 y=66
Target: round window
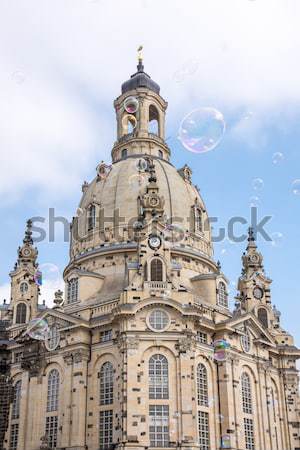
x=23 y=287
x=158 y=320
x=246 y=341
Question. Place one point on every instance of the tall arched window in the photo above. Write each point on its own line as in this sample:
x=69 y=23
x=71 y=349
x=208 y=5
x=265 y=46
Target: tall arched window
x=53 y=390
x=17 y=399
x=21 y=313
x=153 y=126
x=198 y=220
x=72 y=291
x=263 y=317
x=158 y=377
x=202 y=387
x=91 y=216
x=246 y=394
x=222 y=295
x=156 y=270
x=124 y=153
x=106 y=377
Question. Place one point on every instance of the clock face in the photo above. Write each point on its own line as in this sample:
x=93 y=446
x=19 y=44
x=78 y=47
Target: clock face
x=154 y=242
x=258 y=292
x=154 y=201
x=26 y=252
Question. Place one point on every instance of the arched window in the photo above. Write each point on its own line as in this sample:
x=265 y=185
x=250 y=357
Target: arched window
x=156 y=270
x=106 y=377
x=202 y=387
x=222 y=295
x=17 y=399
x=158 y=377
x=246 y=394
x=263 y=317
x=72 y=293
x=198 y=220
x=153 y=126
x=160 y=154
x=124 y=153
x=53 y=390
x=91 y=216
x=21 y=313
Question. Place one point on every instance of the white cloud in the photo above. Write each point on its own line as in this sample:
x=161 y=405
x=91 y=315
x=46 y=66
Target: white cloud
x=63 y=63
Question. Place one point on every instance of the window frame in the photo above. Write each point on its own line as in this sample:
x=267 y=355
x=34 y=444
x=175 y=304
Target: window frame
x=158 y=377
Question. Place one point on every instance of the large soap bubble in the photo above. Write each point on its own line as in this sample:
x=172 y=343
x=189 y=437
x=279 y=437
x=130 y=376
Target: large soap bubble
x=202 y=130
x=38 y=329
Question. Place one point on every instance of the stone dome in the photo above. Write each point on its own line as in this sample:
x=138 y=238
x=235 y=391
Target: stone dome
x=140 y=79
x=117 y=194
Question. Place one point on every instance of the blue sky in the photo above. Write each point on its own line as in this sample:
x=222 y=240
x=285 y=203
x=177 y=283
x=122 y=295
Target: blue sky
x=62 y=65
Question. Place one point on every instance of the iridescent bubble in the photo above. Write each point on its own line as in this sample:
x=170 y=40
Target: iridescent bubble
x=38 y=329
x=137 y=180
x=248 y=115
x=129 y=121
x=296 y=187
x=38 y=278
x=173 y=233
x=277 y=239
x=51 y=275
x=18 y=76
x=202 y=130
x=257 y=184
x=141 y=165
x=131 y=105
x=103 y=170
x=254 y=201
x=277 y=158
x=225 y=441
x=220 y=348
x=220 y=418
x=188 y=68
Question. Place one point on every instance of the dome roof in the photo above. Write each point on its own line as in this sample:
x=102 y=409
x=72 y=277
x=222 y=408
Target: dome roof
x=140 y=79
x=119 y=192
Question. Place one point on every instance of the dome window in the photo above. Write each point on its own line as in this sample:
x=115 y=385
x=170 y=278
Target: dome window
x=160 y=154
x=153 y=126
x=222 y=295
x=124 y=153
x=198 y=220
x=91 y=216
x=72 y=290
x=263 y=317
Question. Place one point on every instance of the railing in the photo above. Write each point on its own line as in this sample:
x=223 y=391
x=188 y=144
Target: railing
x=156 y=284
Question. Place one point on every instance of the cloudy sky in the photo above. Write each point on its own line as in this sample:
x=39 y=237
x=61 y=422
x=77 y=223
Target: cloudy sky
x=62 y=64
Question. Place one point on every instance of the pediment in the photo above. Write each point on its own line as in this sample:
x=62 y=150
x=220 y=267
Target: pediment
x=61 y=319
x=253 y=325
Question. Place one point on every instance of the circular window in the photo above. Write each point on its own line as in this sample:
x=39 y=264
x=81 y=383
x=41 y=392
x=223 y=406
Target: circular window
x=246 y=341
x=53 y=338
x=23 y=287
x=158 y=320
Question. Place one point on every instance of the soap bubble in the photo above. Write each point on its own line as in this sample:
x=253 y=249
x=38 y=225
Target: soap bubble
x=277 y=158
x=188 y=68
x=131 y=105
x=296 y=187
x=173 y=233
x=225 y=441
x=103 y=170
x=220 y=348
x=51 y=275
x=141 y=164
x=257 y=184
x=220 y=418
x=277 y=239
x=129 y=121
x=18 y=76
x=254 y=201
x=38 y=329
x=202 y=130
x=38 y=278
x=137 y=180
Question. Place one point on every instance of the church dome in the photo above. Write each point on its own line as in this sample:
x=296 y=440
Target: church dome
x=117 y=192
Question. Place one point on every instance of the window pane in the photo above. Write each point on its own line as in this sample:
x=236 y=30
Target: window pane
x=202 y=388
x=158 y=377
x=156 y=270
x=159 y=425
x=105 y=429
x=51 y=430
x=249 y=434
x=53 y=390
x=222 y=295
x=106 y=384
x=17 y=398
x=203 y=428
x=14 y=435
x=246 y=394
